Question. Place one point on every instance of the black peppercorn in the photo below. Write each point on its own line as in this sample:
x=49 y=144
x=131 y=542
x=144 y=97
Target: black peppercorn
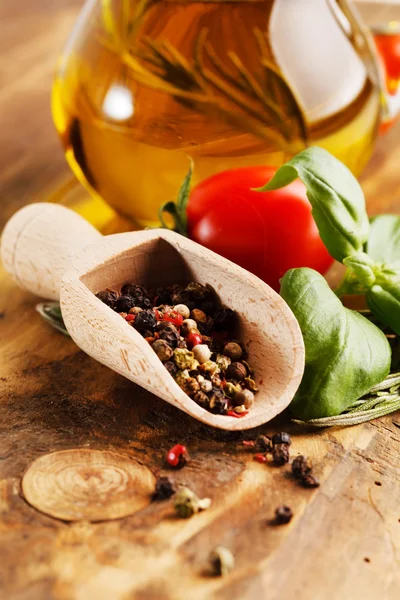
x=236 y=371
x=171 y=367
x=263 y=444
x=182 y=297
x=197 y=291
x=124 y=303
x=224 y=319
x=218 y=401
x=163 y=296
x=301 y=466
x=281 y=438
x=164 y=489
x=208 y=306
x=108 y=297
x=171 y=337
x=309 y=481
x=165 y=326
x=145 y=320
x=283 y=515
x=207 y=327
x=131 y=289
x=280 y=454
x=138 y=293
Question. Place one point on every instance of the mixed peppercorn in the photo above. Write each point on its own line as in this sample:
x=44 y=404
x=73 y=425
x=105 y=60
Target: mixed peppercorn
x=191 y=333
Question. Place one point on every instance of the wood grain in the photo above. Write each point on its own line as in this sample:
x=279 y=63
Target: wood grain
x=53 y=397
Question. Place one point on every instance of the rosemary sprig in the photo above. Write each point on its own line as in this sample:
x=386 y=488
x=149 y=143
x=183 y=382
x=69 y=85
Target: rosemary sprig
x=51 y=312
x=381 y=400
x=263 y=105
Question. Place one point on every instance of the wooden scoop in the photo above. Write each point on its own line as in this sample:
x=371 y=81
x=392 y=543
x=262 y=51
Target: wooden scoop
x=54 y=253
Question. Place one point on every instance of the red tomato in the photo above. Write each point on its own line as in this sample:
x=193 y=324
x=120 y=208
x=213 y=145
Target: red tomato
x=389 y=50
x=267 y=233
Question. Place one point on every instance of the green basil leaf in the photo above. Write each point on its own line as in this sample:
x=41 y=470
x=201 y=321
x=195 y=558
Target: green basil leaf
x=51 y=312
x=383 y=243
x=363 y=267
x=345 y=353
x=338 y=203
x=384 y=302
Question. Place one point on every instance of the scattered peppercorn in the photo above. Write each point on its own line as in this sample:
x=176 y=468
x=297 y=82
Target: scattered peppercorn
x=280 y=454
x=221 y=561
x=283 y=515
x=301 y=466
x=164 y=489
x=281 y=438
x=187 y=503
x=263 y=444
x=309 y=481
x=261 y=458
x=189 y=331
x=178 y=456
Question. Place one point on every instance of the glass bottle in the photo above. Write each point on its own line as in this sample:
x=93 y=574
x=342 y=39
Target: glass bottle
x=144 y=84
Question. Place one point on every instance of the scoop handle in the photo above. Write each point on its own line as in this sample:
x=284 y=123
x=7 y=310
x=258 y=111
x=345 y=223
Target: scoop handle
x=38 y=244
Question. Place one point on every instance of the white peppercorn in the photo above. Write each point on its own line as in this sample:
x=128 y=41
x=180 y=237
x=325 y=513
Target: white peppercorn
x=202 y=353
x=206 y=385
x=188 y=325
x=183 y=310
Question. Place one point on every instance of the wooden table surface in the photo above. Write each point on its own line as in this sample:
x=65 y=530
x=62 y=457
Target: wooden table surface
x=344 y=539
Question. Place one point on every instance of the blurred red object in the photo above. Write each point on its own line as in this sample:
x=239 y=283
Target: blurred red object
x=388 y=45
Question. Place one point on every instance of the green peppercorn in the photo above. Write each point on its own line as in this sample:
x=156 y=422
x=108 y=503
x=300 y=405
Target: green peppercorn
x=184 y=359
x=222 y=361
x=231 y=390
x=251 y=384
x=187 y=503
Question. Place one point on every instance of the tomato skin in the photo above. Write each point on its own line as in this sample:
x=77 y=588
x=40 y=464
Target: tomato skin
x=389 y=50
x=267 y=233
